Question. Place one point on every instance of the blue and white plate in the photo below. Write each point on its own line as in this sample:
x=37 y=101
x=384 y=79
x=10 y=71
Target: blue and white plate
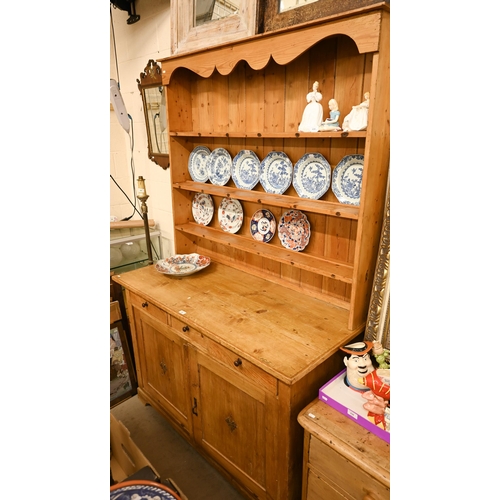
x=245 y=169
x=311 y=176
x=263 y=225
x=275 y=173
x=219 y=166
x=346 y=179
x=141 y=490
x=197 y=163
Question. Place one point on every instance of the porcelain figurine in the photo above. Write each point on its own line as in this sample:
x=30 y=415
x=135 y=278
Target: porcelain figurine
x=331 y=124
x=358 y=364
x=357 y=119
x=313 y=112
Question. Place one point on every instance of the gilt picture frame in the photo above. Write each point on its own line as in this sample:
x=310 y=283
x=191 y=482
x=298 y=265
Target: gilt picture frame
x=378 y=320
x=186 y=37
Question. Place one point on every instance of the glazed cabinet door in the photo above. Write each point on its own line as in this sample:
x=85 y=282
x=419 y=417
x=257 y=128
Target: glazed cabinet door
x=233 y=422
x=162 y=365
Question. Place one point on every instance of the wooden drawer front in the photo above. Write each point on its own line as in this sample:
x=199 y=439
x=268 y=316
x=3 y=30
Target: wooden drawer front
x=344 y=475
x=149 y=308
x=228 y=358
x=317 y=489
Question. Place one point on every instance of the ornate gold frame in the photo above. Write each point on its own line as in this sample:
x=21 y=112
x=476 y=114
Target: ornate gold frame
x=378 y=321
x=151 y=78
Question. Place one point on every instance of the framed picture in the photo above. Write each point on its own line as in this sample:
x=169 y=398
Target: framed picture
x=379 y=313
x=284 y=13
x=122 y=377
x=197 y=24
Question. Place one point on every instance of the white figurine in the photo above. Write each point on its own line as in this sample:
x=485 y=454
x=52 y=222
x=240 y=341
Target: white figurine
x=332 y=123
x=357 y=119
x=313 y=112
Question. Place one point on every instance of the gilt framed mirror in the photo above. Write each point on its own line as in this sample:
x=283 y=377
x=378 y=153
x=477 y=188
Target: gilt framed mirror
x=379 y=315
x=196 y=24
x=155 y=113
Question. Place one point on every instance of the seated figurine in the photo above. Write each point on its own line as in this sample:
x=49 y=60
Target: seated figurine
x=357 y=119
x=331 y=124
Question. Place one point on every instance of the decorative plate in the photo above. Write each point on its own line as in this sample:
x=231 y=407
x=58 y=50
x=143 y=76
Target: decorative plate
x=197 y=164
x=219 y=166
x=141 y=490
x=346 y=179
x=276 y=172
x=294 y=230
x=182 y=265
x=311 y=176
x=263 y=226
x=230 y=215
x=203 y=208
x=245 y=169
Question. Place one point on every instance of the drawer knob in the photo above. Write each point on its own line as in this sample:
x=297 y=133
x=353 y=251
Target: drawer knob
x=145 y=304
x=185 y=328
x=237 y=362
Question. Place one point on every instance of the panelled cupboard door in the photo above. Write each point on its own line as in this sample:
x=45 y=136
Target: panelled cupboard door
x=162 y=366
x=229 y=421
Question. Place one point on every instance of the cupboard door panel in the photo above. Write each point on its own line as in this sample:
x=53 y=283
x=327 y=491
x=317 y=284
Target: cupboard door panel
x=162 y=367
x=230 y=425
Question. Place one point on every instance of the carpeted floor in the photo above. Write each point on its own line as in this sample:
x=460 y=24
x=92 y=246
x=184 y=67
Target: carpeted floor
x=171 y=455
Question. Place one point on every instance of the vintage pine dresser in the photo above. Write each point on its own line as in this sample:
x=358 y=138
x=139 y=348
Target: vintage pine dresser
x=232 y=354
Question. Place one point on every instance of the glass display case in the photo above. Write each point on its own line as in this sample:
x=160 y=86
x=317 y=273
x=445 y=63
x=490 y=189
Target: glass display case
x=128 y=248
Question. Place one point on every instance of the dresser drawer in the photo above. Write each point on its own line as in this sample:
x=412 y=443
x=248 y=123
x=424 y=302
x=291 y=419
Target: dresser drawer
x=343 y=475
x=226 y=357
x=148 y=308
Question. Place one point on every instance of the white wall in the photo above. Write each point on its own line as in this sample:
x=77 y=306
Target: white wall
x=149 y=38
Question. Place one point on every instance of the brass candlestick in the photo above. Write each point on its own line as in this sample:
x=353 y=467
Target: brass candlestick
x=143 y=196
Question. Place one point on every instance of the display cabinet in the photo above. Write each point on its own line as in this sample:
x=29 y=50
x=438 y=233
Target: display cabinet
x=128 y=248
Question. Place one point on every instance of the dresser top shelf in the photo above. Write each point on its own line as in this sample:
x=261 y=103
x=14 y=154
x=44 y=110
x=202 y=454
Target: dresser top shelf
x=284 y=332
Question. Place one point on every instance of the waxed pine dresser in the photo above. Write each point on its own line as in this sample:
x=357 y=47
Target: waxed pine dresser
x=232 y=354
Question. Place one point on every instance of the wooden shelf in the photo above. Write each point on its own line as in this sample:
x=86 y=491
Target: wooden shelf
x=329 y=268
x=290 y=202
x=273 y=135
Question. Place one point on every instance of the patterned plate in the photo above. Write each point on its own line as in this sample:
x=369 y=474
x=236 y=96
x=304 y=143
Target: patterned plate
x=182 y=265
x=197 y=164
x=219 y=167
x=245 y=169
x=141 y=490
x=263 y=226
x=203 y=208
x=311 y=176
x=346 y=179
x=276 y=172
x=294 y=230
x=230 y=215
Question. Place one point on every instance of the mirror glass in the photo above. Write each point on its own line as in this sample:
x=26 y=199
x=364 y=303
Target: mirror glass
x=156 y=112
x=293 y=4
x=154 y=103
x=211 y=10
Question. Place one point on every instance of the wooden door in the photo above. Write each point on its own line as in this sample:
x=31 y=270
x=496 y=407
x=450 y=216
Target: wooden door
x=162 y=359
x=231 y=422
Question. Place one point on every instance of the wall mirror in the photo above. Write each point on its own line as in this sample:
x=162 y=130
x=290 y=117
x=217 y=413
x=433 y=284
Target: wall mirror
x=379 y=314
x=196 y=24
x=155 y=113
